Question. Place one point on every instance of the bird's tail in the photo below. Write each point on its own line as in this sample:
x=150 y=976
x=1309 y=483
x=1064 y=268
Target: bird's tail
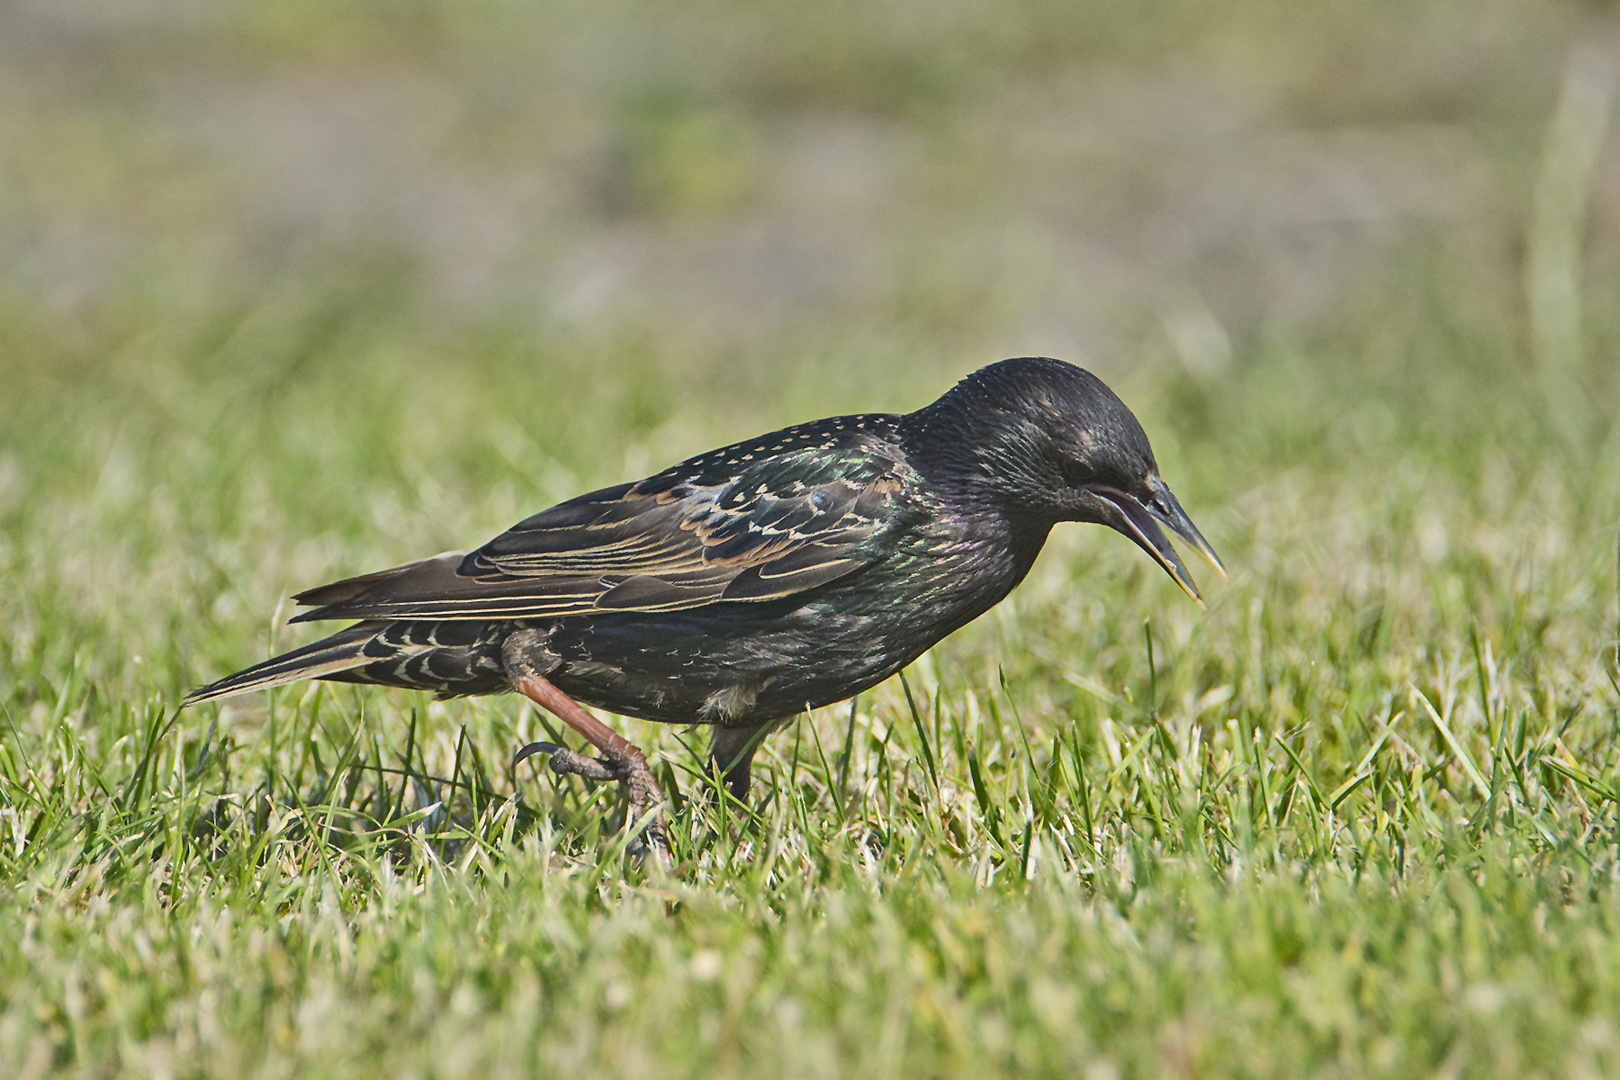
x=325 y=658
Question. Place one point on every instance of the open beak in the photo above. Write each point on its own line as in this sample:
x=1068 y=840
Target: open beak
x=1141 y=523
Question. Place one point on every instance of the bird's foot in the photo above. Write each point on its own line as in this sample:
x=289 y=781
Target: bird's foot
x=649 y=830
x=620 y=760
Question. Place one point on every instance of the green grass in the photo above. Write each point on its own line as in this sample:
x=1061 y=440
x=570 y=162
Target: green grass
x=1361 y=817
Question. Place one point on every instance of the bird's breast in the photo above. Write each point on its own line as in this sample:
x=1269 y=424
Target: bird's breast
x=740 y=662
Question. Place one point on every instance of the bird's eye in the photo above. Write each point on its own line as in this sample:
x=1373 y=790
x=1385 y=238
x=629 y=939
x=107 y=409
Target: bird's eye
x=1075 y=474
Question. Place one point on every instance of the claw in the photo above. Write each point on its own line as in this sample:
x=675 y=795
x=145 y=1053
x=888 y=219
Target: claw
x=535 y=748
x=565 y=762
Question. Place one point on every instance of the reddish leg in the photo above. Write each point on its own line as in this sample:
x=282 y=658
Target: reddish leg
x=620 y=759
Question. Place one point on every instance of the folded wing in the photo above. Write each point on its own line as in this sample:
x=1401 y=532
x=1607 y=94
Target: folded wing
x=695 y=534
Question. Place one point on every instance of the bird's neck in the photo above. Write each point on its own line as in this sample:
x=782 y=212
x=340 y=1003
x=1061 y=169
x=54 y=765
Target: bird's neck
x=966 y=455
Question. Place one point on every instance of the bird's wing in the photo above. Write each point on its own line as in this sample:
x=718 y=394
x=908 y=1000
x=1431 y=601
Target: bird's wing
x=693 y=535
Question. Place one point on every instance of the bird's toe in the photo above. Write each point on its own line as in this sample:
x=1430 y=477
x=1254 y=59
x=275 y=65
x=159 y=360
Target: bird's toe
x=566 y=762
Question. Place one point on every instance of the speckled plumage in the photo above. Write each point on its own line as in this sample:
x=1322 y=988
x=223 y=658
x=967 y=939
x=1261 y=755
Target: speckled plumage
x=746 y=584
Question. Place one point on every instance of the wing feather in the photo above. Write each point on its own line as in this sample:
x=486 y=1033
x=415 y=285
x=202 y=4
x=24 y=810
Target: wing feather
x=795 y=518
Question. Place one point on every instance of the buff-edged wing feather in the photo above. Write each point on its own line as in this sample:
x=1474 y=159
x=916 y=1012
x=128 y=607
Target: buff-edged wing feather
x=752 y=522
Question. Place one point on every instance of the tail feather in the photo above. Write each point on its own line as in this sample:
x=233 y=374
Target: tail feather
x=322 y=659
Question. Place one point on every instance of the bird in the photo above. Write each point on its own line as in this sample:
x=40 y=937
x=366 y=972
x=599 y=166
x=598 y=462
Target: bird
x=749 y=584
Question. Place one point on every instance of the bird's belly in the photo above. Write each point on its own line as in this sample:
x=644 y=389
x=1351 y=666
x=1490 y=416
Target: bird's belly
x=742 y=663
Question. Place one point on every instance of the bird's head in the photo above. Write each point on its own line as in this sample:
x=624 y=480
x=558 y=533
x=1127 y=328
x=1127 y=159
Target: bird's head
x=1047 y=441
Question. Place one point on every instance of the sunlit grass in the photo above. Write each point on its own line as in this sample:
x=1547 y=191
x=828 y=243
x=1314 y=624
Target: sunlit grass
x=1357 y=818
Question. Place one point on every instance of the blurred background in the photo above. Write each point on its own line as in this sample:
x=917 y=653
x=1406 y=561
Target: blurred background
x=292 y=289
x=1042 y=176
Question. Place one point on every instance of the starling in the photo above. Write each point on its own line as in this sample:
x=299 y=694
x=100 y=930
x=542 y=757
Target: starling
x=746 y=585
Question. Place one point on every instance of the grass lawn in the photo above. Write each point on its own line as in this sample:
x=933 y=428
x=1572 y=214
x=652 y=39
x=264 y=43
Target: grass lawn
x=298 y=291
